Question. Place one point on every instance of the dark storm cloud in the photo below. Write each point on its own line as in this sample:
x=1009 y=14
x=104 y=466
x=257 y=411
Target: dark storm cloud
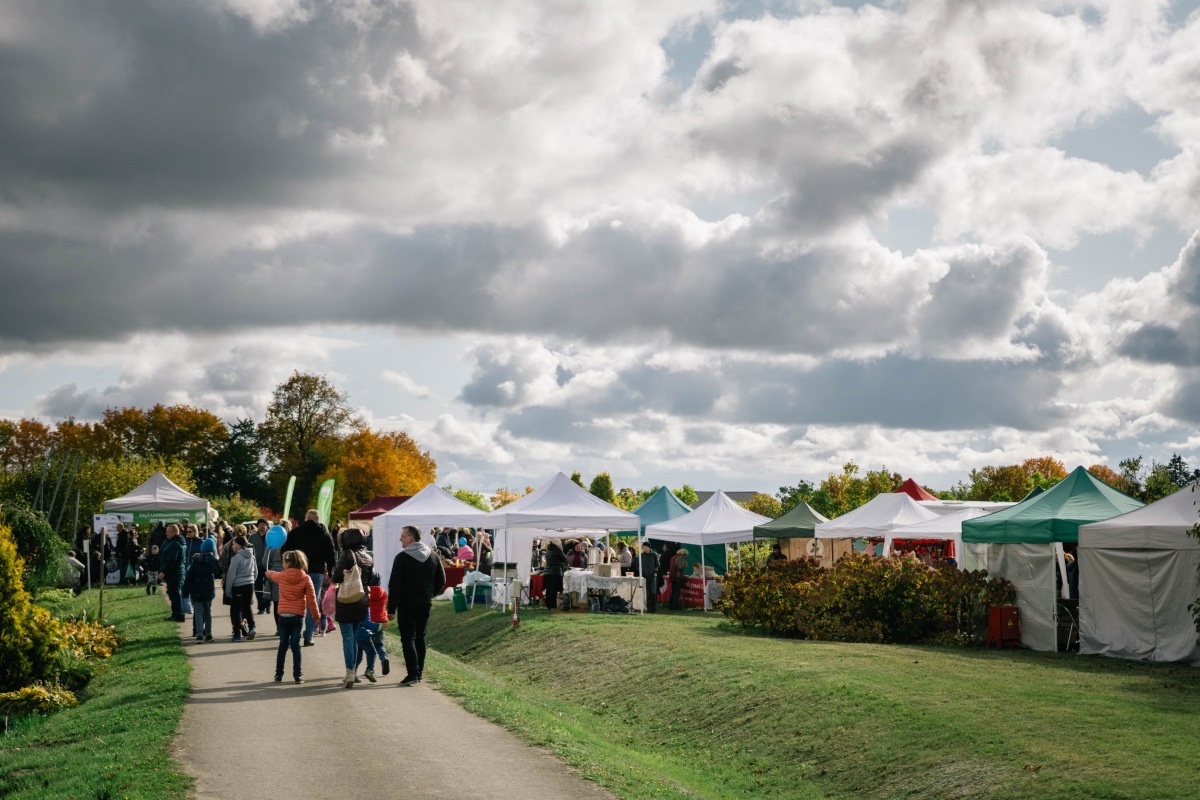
x=565 y=425
x=1173 y=339
x=146 y=104
x=1157 y=344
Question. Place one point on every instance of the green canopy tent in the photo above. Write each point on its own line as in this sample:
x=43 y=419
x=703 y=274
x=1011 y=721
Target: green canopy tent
x=799 y=523
x=1023 y=543
x=664 y=505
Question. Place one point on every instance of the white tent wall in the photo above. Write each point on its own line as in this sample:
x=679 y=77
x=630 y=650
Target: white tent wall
x=1031 y=568
x=1130 y=604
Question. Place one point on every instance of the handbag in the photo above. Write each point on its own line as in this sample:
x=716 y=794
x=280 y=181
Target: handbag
x=351 y=588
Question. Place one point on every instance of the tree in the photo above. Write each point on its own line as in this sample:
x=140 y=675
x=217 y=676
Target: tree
x=1159 y=483
x=577 y=479
x=306 y=412
x=687 y=495
x=764 y=504
x=23 y=444
x=28 y=639
x=237 y=509
x=792 y=496
x=1179 y=472
x=628 y=499
x=188 y=434
x=1131 y=475
x=1000 y=484
x=1108 y=475
x=1044 y=471
x=602 y=487
x=237 y=467
x=503 y=497
x=470 y=498
x=838 y=494
x=369 y=463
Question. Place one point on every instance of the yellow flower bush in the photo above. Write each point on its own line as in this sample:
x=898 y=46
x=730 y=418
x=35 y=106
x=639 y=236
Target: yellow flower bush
x=36 y=699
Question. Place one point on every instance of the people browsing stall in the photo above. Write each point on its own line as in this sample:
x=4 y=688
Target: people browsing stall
x=239 y=588
x=624 y=557
x=465 y=553
x=353 y=600
x=295 y=597
x=417 y=577
x=171 y=568
x=552 y=577
x=679 y=573
x=648 y=568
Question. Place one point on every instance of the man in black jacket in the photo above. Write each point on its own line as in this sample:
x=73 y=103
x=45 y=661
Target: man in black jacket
x=417 y=578
x=311 y=538
x=648 y=569
x=170 y=570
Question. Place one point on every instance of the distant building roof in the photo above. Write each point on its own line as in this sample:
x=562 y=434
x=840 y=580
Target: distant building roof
x=737 y=497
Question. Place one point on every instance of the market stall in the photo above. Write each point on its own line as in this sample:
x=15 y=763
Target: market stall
x=718 y=520
x=430 y=507
x=798 y=528
x=1137 y=576
x=159 y=499
x=1024 y=544
x=874 y=519
x=939 y=530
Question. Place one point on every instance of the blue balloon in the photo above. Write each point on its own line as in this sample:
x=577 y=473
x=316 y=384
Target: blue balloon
x=276 y=536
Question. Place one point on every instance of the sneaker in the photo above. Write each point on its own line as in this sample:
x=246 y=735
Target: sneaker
x=387 y=666
x=251 y=634
x=321 y=634
x=279 y=678
x=409 y=680
x=308 y=643
x=356 y=678
x=236 y=639
x=208 y=637
x=298 y=679
x=199 y=640
x=369 y=675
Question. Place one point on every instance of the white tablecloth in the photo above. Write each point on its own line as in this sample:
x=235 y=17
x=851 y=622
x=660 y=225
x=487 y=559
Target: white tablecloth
x=578 y=583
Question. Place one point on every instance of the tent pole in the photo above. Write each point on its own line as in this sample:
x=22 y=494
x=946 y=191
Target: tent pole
x=703 y=574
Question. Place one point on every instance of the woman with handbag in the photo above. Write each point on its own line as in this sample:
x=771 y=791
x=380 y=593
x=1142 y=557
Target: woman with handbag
x=353 y=601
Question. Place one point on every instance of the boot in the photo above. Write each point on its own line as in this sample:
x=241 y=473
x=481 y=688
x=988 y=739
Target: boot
x=349 y=679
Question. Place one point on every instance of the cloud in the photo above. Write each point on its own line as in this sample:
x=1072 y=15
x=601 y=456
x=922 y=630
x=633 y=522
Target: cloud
x=405 y=383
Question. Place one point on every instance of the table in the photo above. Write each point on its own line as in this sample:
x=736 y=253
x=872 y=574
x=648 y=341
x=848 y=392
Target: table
x=692 y=595
x=454 y=576
x=629 y=588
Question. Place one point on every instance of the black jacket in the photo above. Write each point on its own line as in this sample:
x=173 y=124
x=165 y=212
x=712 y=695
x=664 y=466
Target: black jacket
x=648 y=565
x=314 y=541
x=556 y=559
x=353 y=612
x=413 y=582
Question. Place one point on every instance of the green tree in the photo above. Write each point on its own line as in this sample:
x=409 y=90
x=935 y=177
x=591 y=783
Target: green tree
x=237 y=467
x=235 y=508
x=602 y=487
x=1179 y=471
x=628 y=499
x=577 y=479
x=791 y=496
x=1159 y=483
x=1131 y=474
x=27 y=641
x=764 y=504
x=305 y=412
x=687 y=495
x=39 y=547
x=470 y=498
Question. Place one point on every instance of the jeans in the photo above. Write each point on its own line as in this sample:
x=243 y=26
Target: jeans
x=412 y=620
x=242 y=608
x=310 y=625
x=290 y=626
x=173 y=596
x=202 y=618
x=350 y=642
x=370 y=643
x=676 y=591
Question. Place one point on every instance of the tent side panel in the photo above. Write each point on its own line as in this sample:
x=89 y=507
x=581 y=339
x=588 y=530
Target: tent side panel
x=1116 y=614
x=1031 y=568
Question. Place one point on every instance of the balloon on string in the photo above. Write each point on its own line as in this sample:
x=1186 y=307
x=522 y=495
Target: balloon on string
x=276 y=536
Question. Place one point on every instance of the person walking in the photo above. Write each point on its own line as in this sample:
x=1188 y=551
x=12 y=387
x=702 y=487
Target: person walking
x=295 y=596
x=170 y=570
x=239 y=587
x=258 y=540
x=417 y=577
x=311 y=538
x=552 y=578
x=648 y=569
x=351 y=613
x=200 y=585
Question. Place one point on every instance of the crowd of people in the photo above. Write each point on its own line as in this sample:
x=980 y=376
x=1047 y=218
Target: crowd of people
x=317 y=581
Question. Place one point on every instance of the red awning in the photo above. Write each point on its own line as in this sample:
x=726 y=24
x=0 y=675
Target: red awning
x=911 y=488
x=380 y=505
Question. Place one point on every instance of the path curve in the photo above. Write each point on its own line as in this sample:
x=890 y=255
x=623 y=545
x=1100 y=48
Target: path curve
x=244 y=736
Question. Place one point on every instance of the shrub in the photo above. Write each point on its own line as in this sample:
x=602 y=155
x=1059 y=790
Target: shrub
x=28 y=635
x=37 y=699
x=767 y=598
x=38 y=545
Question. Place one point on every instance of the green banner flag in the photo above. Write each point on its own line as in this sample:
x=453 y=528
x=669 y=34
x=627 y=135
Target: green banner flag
x=287 y=503
x=325 y=501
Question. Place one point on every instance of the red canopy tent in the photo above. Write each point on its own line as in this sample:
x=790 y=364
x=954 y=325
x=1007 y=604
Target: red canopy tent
x=361 y=517
x=911 y=488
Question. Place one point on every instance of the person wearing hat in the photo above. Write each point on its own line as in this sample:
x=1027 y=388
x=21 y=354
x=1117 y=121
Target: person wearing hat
x=464 y=550
x=239 y=587
x=200 y=585
x=648 y=569
x=679 y=573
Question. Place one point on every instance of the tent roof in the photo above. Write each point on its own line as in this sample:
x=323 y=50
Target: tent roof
x=158 y=493
x=381 y=504
x=560 y=504
x=914 y=490
x=948 y=526
x=659 y=507
x=883 y=513
x=800 y=521
x=1054 y=515
x=718 y=519
x=433 y=505
x=1162 y=525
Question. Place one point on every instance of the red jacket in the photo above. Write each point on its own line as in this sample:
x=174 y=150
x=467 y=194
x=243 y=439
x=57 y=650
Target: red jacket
x=295 y=592
x=378 y=601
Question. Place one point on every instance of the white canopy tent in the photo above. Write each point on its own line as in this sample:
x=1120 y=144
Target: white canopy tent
x=947 y=507
x=718 y=520
x=560 y=504
x=160 y=499
x=882 y=514
x=944 y=528
x=432 y=506
x=1137 y=575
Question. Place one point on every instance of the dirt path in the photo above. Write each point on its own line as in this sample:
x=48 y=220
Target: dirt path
x=244 y=736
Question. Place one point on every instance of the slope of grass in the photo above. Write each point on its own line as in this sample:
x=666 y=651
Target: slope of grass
x=680 y=706
x=116 y=742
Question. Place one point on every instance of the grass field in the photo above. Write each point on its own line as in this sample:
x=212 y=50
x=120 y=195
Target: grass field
x=678 y=705
x=115 y=743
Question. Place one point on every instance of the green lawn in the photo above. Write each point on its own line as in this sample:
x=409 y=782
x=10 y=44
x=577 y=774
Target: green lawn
x=678 y=705
x=116 y=742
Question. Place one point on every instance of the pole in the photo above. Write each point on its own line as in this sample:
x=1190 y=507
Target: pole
x=67 y=493
x=37 y=503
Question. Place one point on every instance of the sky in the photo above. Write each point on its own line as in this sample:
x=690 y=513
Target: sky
x=730 y=244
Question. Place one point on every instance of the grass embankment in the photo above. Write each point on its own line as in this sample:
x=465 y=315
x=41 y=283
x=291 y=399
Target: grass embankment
x=116 y=742
x=679 y=706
